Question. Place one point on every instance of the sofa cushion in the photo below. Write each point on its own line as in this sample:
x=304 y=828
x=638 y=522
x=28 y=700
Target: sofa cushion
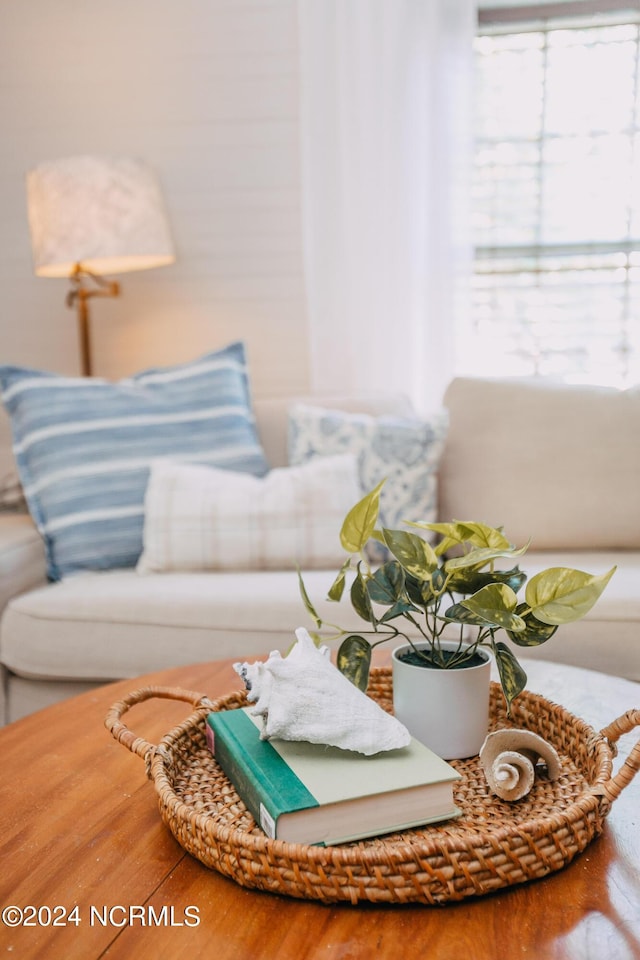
x=105 y=626
x=405 y=452
x=201 y=518
x=553 y=462
x=83 y=447
x=113 y=624
x=22 y=560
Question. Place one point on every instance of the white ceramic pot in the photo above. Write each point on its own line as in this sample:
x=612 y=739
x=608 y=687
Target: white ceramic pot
x=448 y=710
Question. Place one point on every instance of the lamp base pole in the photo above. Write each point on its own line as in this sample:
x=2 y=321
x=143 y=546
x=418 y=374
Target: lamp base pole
x=80 y=295
x=84 y=334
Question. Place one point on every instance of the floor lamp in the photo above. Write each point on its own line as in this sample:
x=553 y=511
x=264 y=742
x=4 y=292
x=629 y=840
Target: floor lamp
x=90 y=216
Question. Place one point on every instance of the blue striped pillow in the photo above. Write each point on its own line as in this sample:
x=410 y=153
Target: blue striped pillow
x=84 y=446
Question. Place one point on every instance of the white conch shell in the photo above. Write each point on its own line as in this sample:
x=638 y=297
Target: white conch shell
x=509 y=758
x=303 y=696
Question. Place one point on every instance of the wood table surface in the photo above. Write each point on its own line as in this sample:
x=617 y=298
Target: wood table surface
x=84 y=855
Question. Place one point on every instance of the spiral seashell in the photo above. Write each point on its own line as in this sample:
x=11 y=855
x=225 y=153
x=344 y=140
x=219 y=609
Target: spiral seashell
x=509 y=758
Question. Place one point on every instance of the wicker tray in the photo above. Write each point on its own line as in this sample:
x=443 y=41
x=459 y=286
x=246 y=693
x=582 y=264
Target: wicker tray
x=493 y=844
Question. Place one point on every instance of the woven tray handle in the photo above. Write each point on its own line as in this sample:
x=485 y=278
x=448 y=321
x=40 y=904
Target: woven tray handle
x=624 y=724
x=119 y=730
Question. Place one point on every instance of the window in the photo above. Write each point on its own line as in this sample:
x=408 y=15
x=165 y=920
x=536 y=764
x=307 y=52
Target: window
x=556 y=201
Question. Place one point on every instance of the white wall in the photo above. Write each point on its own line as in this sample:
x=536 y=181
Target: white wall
x=207 y=92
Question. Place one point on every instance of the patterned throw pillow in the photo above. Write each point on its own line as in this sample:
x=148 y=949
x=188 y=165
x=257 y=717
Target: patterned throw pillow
x=83 y=447
x=200 y=518
x=404 y=451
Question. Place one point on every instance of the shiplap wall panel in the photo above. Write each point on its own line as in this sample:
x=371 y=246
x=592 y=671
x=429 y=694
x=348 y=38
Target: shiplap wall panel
x=207 y=92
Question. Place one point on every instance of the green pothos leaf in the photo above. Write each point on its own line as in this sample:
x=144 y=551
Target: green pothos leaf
x=386 y=586
x=337 y=587
x=307 y=602
x=467 y=532
x=471 y=580
x=480 y=556
x=359 y=523
x=354 y=660
x=415 y=554
x=535 y=632
x=459 y=614
x=398 y=610
x=495 y=604
x=561 y=594
x=419 y=592
x=513 y=679
x=360 y=599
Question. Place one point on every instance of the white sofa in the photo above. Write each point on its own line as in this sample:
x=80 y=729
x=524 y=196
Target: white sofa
x=559 y=464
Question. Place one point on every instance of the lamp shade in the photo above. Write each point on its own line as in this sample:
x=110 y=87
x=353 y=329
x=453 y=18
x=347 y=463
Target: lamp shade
x=105 y=214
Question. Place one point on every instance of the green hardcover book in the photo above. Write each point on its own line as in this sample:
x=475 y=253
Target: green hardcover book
x=309 y=793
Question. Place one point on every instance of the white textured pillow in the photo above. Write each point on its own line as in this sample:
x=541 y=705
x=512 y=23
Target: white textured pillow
x=406 y=452
x=203 y=518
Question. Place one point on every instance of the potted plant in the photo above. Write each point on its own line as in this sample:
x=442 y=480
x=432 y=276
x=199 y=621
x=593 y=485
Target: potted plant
x=446 y=603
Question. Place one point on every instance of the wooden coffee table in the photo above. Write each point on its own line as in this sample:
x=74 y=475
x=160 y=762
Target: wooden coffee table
x=87 y=863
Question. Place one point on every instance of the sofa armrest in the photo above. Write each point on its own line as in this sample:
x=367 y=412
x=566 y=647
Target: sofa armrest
x=22 y=556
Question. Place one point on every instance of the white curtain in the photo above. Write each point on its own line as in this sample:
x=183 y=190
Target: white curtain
x=385 y=123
